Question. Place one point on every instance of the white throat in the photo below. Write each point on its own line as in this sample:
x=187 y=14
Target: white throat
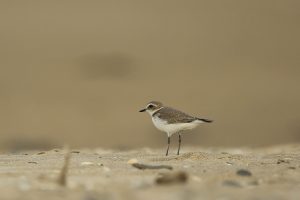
x=150 y=112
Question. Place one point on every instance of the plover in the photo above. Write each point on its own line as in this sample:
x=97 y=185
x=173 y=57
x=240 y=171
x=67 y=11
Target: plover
x=172 y=121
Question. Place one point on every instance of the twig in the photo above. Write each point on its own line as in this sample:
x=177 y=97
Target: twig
x=62 y=179
x=145 y=166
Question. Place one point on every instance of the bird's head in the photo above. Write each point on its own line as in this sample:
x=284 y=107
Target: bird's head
x=152 y=107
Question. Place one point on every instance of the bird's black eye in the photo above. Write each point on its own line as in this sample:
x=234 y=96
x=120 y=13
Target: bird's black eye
x=150 y=106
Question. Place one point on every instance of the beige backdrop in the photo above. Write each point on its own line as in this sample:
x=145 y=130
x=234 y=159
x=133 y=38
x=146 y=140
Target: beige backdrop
x=77 y=72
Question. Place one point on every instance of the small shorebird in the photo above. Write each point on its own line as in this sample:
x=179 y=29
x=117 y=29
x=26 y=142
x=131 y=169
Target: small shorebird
x=171 y=121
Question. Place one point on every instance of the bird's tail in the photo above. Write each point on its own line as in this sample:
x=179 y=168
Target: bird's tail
x=205 y=120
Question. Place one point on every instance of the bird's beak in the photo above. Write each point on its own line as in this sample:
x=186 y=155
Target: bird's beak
x=143 y=110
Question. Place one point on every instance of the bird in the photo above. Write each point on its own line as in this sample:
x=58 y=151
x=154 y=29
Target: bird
x=172 y=121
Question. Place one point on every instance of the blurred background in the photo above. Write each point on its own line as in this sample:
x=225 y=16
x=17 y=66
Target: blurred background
x=77 y=72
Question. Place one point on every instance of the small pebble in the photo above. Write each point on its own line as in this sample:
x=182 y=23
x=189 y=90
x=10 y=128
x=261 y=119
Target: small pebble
x=139 y=184
x=279 y=161
x=86 y=163
x=243 y=172
x=186 y=166
x=75 y=151
x=32 y=162
x=172 y=177
x=40 y=153
x=132 y=161
x=196 y=178
x=106 y=169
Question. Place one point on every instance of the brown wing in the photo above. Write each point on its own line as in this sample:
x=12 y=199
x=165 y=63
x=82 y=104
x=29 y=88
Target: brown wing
x=173 y=116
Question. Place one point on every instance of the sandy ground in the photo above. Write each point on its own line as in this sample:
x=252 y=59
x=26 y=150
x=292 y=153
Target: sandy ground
x=206 y=173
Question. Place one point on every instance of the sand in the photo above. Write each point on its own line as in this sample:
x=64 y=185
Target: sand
x=198 y=173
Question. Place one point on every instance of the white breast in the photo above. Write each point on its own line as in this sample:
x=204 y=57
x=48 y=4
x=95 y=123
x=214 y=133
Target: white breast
x=171 y=129
x=159 y=124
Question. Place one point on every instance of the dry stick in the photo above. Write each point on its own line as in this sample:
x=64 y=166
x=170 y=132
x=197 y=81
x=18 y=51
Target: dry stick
x=62 y=179
x=145 y=166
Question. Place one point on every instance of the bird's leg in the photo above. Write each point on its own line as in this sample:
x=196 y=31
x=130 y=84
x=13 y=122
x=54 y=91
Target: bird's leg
x=169 y=140
x=179 y=143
